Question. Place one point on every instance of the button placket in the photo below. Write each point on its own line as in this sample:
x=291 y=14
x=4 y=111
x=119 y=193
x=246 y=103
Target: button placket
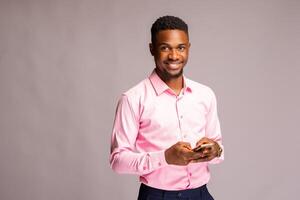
x=181 y=117
x=178 y=118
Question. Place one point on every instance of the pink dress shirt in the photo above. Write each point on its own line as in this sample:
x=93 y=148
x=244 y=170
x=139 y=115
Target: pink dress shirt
x=150 y=118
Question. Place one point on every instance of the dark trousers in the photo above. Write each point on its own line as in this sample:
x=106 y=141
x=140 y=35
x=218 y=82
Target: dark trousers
x=149 y=193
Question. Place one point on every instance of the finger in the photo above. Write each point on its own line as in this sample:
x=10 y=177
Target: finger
x=190 y=155
x=210 y=157
x=204 y=140
x=196 y=155
x=205 y=158
x=186 y=150
x=211 y=153
x=208 y=150
x=185 y=153
x=186 y=145
x=211 y=150
x=200 y=142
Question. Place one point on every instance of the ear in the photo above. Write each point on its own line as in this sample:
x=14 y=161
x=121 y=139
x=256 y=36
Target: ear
x=151 y=48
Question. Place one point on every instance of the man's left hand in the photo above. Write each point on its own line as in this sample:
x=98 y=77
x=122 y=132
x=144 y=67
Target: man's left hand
x=208 y=153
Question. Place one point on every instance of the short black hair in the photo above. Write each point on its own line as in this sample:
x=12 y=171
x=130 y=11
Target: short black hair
x=167 y=23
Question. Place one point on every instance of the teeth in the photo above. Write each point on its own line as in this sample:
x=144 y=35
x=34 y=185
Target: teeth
x=173 y=65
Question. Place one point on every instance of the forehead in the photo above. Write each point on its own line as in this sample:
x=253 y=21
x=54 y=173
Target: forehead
x=172 y=37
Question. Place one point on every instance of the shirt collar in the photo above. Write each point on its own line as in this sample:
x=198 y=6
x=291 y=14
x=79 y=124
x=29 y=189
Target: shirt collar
x=160 y=86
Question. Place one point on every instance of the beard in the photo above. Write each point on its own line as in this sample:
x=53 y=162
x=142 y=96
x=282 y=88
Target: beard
x=166 y=76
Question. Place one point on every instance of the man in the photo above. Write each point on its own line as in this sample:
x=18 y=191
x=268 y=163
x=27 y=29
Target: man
x=166 y=128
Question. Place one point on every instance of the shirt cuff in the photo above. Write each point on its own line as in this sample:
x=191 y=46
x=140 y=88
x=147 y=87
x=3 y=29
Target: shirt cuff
x=158 y=159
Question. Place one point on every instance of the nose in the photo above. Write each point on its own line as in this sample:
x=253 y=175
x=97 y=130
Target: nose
x=173 y=55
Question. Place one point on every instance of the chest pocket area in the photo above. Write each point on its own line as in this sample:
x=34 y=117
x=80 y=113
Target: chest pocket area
x=196 y=118
x=159 y=115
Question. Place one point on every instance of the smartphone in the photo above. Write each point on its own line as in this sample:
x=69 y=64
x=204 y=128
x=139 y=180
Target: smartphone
x=203 y=146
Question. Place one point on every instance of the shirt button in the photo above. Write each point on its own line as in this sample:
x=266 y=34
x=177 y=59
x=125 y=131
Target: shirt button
x=190 y=174
x=144 y=168
x=181 y=116
x=159 y=164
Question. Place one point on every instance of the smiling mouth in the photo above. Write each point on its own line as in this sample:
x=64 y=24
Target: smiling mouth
x=173 y=65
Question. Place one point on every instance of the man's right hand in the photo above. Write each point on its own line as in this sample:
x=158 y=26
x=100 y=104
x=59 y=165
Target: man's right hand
x=181 y=153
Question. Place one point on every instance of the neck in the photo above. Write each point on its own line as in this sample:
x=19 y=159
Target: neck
x=175 y=83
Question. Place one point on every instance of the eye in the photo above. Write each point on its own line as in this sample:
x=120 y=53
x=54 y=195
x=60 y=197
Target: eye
x=181 y=48
x=164 y=48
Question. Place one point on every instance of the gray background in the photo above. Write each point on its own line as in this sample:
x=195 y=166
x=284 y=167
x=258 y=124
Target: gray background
x=63 y=65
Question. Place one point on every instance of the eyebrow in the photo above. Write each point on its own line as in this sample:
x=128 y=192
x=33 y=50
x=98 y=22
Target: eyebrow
x=170 y=45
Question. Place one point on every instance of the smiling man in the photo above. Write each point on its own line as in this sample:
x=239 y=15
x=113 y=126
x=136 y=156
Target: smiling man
x=166 y=128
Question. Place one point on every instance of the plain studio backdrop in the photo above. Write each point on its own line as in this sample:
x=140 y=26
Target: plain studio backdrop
x=64 y=64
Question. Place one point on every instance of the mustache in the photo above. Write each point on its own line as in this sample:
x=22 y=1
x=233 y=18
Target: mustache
x=172 y=62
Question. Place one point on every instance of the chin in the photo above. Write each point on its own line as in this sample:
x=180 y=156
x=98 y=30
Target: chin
x=170 y=73
x=173 y=74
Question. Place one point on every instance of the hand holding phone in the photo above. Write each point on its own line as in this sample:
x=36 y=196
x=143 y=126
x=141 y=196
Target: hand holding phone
x=202 y=147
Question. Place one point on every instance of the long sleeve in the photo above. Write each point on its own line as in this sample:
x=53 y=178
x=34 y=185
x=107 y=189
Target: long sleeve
x=213 y=130
x=123 y=157
x=149 y=119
